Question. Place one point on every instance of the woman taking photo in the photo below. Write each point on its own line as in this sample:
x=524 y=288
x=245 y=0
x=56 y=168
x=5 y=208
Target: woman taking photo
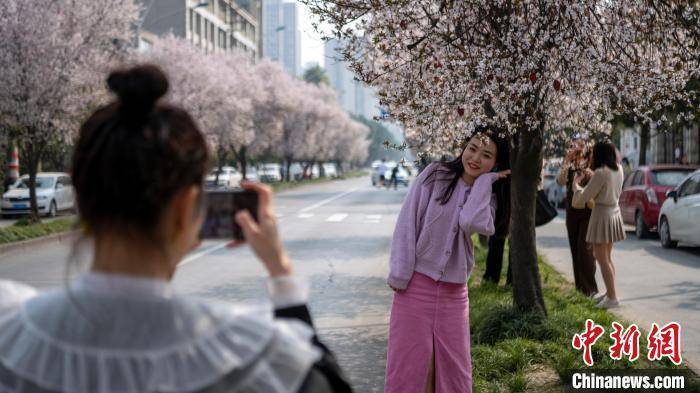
x=605 y=226
x=138 y=169
x=431 y=259
x=577 y=161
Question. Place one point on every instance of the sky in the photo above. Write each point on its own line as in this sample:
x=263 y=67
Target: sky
x=311 y=43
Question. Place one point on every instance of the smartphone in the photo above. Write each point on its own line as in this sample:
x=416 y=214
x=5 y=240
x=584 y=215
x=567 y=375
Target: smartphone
x=221 y=207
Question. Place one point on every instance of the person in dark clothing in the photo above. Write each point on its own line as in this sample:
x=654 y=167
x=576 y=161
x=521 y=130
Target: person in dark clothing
x=394 y=178
x=577 y=160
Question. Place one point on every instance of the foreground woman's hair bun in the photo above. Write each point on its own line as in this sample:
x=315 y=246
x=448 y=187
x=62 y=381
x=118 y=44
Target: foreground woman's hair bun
x=138 y=88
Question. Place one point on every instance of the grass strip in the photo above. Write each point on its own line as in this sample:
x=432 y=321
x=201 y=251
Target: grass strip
x=282 y=186
x=516 y=352
x=22 y=231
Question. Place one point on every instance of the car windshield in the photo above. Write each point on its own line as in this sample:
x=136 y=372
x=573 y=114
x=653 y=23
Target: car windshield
x=41 y=183
x=668 y=178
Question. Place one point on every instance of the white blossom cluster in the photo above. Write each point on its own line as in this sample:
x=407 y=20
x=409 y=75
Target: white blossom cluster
x=441 y=67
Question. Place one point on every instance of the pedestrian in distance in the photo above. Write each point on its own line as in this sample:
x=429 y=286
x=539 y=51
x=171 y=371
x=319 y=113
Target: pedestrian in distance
x=605 y=226
x=138 y=169
x=577 y=161
x=431 y=258
x=394 y=177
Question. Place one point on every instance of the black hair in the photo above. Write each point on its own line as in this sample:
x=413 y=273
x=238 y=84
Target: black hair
x=134 y=154
x=604 y=155
x=451 y=172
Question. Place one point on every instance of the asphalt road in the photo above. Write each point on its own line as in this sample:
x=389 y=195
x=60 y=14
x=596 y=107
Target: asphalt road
x=337 y=234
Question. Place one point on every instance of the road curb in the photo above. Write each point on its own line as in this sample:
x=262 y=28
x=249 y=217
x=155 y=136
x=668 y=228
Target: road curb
x=40 y=241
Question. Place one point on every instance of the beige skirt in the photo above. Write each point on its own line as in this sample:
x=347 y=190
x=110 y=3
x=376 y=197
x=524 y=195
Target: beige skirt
x=605 y=225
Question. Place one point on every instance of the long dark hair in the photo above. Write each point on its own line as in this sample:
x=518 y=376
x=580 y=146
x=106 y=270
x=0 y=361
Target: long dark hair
x=451 y=172
x=134 y=154
x=604 y=155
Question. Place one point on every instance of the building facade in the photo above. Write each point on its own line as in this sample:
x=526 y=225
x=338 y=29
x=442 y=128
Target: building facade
x=282 y=34
x=214 y=25
x=664 y=147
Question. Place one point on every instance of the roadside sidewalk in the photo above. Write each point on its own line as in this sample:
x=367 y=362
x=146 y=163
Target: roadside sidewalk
x=654 y=284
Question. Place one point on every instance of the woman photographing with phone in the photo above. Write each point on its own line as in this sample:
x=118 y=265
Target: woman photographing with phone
x=138 y=170
x=431 y=259
x=577 y=162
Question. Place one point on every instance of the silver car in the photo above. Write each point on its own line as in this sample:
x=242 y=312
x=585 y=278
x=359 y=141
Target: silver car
x=54 y=192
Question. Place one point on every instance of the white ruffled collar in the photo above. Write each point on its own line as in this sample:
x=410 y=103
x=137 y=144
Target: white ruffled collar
x=123 y=285
x=178 y=344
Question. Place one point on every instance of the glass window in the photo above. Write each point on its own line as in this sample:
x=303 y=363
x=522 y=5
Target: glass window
x=41 y=182
x=638 y=178
x=690 y=187
x=668 y=178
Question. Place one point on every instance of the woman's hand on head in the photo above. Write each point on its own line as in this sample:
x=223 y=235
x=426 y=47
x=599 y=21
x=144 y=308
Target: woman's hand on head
x=503 y=174
x=262 y=236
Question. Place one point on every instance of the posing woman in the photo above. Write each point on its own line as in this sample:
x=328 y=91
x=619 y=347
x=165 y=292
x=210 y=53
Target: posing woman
x=138 y=169
x=431 y=259
x=575 y=162
x=605 y=226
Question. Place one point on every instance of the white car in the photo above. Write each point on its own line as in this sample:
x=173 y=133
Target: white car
x=270 y=172
x=54 y=192
x=679 y=218
x=229 y=177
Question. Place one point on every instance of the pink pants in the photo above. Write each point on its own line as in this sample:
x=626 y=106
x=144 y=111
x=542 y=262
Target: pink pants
x=429 y=316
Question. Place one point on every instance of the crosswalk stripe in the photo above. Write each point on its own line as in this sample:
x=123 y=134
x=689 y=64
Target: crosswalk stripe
x=337 y=217
x=305 y=215
x=373 y=216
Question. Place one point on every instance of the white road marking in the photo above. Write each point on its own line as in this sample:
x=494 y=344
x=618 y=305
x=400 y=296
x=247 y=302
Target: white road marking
x=305 y=215
x=337 y=217
x=373 y=216
x=203 y=253
x=325 y=201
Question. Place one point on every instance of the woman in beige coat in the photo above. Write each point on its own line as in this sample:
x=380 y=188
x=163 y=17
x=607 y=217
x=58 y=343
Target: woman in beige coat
x=605 y=226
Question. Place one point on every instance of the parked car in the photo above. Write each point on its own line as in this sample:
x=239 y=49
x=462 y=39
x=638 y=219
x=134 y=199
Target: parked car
x=644 y=192
x=270 y=172
x=679 y=218
x=330 y=170
x=54 y=192
x=556 y=194
x=229 y=177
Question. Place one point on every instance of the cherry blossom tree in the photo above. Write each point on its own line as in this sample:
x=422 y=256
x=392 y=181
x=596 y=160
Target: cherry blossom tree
x=53 y=57
x=527 y=68
x=217 y=89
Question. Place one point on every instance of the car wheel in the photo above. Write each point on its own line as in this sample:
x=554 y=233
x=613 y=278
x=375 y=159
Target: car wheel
x=640 y=228
x=52 y=210
x=665 y=234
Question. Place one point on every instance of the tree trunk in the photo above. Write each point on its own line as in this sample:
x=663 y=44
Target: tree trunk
x=242 y=159
x=526 y=164
x=33 y=154
x=288 y=165
x=644 y=136
x=321 y=170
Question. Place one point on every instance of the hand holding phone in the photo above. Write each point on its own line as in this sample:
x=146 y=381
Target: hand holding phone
x=221 y=208
x=261 y=232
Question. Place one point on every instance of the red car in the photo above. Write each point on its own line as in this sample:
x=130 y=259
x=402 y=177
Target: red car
x=644 y=191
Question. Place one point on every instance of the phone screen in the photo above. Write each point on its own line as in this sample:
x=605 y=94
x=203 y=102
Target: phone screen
x=221 y=207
